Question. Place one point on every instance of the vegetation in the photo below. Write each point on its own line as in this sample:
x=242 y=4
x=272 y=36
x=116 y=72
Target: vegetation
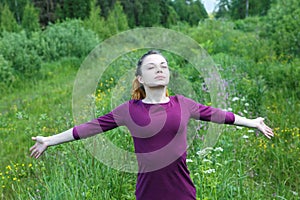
x=255 y=48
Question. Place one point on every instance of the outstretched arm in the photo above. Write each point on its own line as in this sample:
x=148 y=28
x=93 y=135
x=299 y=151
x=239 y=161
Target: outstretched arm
x=254 y=123
x=42 y=143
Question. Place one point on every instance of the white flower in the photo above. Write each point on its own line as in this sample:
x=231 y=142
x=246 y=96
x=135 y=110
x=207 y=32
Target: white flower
x=251 y=131
x=209 y=171
x=229 y=109
x=245 y=111
x=235 y=99
x=204 y=151
x=189 y=160
x=239 y=127
x=243 y=99
x=245 y=136
x=246 y=104
x=206 y=160
x=218 y=149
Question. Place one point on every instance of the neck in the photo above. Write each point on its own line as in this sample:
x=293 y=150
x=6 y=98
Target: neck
x=156 y=95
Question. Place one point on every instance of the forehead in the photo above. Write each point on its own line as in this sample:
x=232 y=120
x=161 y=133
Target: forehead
x=154 y=58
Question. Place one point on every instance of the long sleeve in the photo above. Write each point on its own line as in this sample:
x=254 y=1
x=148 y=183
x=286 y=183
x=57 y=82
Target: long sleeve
x=101 y=124
x=208 y=113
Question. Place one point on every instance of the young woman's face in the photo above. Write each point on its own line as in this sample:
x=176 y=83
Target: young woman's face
x=155 y=71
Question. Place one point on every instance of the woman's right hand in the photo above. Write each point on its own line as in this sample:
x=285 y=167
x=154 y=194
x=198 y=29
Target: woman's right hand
x=39 y=147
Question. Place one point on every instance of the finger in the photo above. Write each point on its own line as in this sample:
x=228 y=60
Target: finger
x=33 y=152
x=33 y=147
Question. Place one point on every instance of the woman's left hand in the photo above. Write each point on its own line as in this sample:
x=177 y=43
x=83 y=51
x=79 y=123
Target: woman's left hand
x=262 y=127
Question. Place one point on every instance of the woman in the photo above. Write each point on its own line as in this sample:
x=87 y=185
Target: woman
x=158 y=125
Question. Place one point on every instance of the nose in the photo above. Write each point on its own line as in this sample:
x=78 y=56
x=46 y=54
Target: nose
x=159 y=69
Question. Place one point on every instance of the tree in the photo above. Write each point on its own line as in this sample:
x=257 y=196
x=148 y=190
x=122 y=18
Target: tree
x=78 y=9
x=117 y=20
x=16 y=7
x=240 y=9
x=197 y=12
x=96 y=22
x=223 y=8
x=8 y=21
x=30 y=19
x=46 y=10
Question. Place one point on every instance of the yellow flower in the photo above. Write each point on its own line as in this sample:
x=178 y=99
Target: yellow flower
x=14 y=179
x=30 y=165
x=8 y=167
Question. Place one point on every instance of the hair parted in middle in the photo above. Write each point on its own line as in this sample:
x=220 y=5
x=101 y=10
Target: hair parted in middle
x=138 y=90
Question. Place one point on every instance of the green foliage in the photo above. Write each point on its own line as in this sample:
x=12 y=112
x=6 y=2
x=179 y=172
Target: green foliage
x=150 y=14
x=95 y=22
x=117 y=20
x=283 y=28
x=74 y=9
x=20 y=51
x=7 y=76
x=8 y=21
x=190 y=11
x=68 y=38
x=218 y=36
x=30 y=19
x=16 y=7
x=241 y=9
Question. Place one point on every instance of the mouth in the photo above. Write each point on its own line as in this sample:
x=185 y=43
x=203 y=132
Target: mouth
x=160 y=77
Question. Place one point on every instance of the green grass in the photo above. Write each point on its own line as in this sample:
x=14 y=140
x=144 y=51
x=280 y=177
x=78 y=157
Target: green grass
x=247 y=167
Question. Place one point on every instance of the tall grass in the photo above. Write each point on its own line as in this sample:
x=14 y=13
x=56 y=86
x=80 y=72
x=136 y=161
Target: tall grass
x=242 y=165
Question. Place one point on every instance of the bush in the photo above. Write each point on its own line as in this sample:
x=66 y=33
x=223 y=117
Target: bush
x=6 y=73
x=65 y=39
x=20 y=51
x=218 y=36
x=282 y=26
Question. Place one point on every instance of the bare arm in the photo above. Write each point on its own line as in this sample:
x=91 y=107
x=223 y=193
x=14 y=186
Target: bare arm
x=254 y=123
x=42 y=143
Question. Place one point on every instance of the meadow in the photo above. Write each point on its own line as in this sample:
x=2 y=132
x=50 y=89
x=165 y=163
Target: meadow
x=242 y=165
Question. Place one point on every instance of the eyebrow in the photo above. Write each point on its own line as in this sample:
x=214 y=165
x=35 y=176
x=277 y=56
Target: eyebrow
x=154 y=63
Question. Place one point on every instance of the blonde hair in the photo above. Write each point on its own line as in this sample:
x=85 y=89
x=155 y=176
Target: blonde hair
x=138 y=91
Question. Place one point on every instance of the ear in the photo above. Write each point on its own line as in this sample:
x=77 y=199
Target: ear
x=140 y=79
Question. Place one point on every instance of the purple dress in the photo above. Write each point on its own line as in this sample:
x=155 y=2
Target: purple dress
x=159 y=134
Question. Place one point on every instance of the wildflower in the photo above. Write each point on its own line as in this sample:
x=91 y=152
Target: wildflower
x=239 y=127
x=247 y=104
x=245 y=136
x=30 y=165
x=235 y=99
x=209 y=171
x=14 y=179
x=189 y=160
x=251 y=131
x=245 y=111
x=206 y=160
x=8 y=167
x=229 y=109
x=218 y=149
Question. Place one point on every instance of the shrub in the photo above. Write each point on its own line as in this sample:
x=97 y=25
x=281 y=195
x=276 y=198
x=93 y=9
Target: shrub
x=6 y=73
x=20 y=51
x=65 y=39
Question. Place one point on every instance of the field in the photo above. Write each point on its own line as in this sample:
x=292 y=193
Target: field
x=242 y=165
